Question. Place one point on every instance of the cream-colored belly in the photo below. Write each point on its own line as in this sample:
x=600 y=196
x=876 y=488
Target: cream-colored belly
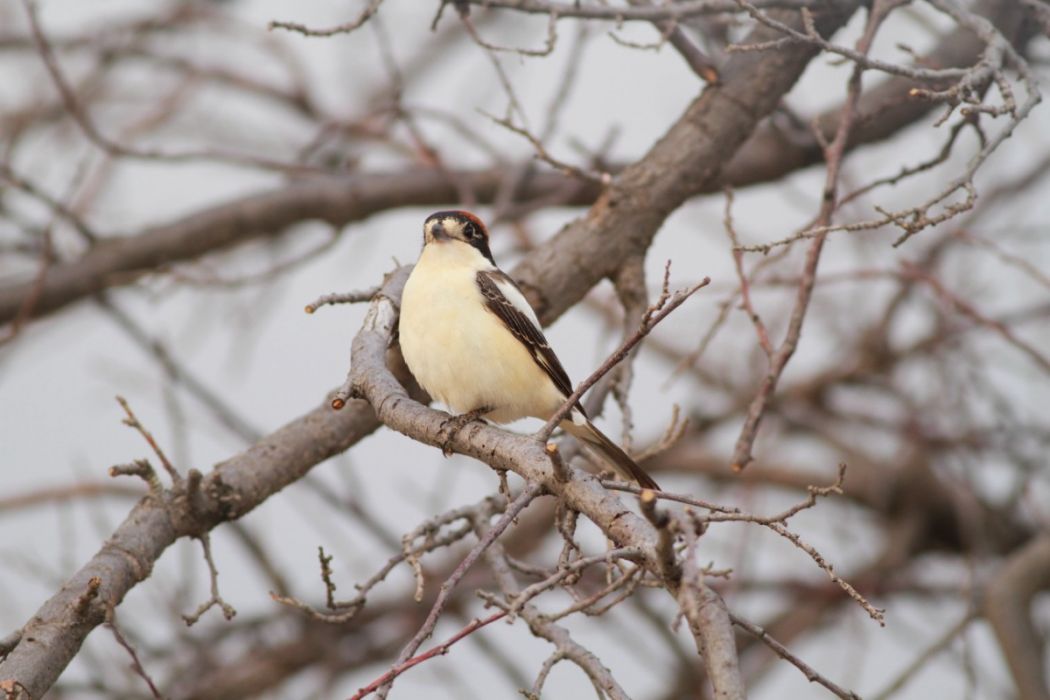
x=463 y=355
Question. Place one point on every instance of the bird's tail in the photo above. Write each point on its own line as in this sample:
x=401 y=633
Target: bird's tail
x=580 y=428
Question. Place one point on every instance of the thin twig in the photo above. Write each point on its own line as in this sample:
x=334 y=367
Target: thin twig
x=970 y=311
x=833 y=154
x=667 y=303
x=143 y=470
x=341 y=298
x=439 y=650
x=136 y=664
x=344 y=28
x=784 y=653
x=91 y=130
x=530 y=492
x=601 y=178
x=922 y=660
x=216 y=598
x=133 y=422
x=745 y=284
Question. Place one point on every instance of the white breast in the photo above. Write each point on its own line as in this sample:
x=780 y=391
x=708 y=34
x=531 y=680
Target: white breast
x=460 y=352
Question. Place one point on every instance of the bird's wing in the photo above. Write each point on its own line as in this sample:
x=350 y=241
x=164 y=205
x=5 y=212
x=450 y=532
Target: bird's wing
x=505 y=300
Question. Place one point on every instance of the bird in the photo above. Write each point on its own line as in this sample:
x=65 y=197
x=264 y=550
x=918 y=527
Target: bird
x=473 y=342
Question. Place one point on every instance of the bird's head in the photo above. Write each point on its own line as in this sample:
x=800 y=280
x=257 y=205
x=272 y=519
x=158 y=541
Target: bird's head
x=457 y=227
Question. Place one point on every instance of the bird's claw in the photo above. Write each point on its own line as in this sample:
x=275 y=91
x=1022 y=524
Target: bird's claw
x=451 y=426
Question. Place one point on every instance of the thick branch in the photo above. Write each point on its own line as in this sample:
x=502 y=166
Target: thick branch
x=710 y=623
x=54 y=634
x=686 y=161
x=1008 y=609
x=337 y=201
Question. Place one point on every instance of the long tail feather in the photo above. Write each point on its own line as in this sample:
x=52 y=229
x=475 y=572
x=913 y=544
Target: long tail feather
x=582 y=429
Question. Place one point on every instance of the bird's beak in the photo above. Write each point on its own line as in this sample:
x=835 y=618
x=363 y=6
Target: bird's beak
x=438 y=233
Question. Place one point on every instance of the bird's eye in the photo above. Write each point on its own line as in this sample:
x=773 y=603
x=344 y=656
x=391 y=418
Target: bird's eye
x=470 y=230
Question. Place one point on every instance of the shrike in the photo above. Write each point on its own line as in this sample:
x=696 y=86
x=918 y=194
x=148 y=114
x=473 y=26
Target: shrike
x=474 y=343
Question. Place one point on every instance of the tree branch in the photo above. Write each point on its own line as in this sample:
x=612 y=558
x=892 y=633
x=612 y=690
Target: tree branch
x=1007 y=607
x=53 y=636
x=767 y=155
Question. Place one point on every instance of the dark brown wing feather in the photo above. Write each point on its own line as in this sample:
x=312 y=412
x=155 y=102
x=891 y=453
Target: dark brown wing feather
x=615 y=454
x=523 y=328
x=534 y=341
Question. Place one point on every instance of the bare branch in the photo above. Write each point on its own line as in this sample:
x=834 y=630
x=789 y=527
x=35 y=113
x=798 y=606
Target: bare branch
x=643 y=13
x=527 y=496
x=833 y=154
x=216 y=599
x=345 y=28
x=667 y=303
x=136 y=664
x=710 y=624
x=133 y=422
x=1007 y=608
x=441 y=649
x=784 y=653
x=83 y=119
x=341 y=298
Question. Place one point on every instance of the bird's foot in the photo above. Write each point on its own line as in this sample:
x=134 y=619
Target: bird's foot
x=451 y=427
